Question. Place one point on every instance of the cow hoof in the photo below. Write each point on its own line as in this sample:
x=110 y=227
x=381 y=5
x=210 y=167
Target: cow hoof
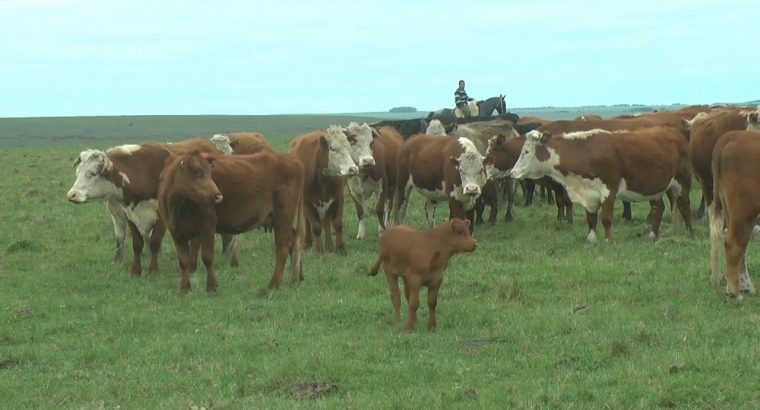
x=734 y=296
x=211 y=288
x=184 y=291
x=652 y=236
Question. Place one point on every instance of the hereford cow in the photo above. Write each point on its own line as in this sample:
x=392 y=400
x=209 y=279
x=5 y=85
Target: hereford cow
x=127 y=175
x=598 y=166
x=672 y=118
x=706 y=132
x=201 y=194
x=736 y=205
x=241 y=143
x=327 y=162
x=375 y=152
x=420 y=258
x=503 y=152
x=441 y=169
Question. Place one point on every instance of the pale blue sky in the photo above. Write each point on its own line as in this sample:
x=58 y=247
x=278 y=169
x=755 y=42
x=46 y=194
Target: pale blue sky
x=104 y=57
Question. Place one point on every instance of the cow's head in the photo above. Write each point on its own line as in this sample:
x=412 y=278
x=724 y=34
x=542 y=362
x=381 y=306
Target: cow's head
x=457 y=235
x=753 y=120
x=533 y=161
x=360 y=140
x=435 y=128
x=94 y=179
x=501 y=155
x=339 y=161
x=222 y=142
x=471 y=169
x=189 y=175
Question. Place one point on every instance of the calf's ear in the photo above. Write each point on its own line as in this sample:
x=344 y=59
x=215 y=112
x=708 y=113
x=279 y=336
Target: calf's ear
x=753 y=117
x=454 y=161
x=467 y=222
x=209 y=158
x=375 y=133
x=323 y=142
x=545 y=136
x=77 y=162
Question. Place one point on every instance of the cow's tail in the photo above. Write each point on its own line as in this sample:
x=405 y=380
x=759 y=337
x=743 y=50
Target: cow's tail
x=717 y=223
x=376 y=267
x=299 y=228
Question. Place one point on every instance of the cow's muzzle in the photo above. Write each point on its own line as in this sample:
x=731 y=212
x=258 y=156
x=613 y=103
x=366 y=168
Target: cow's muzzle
x=471 y=190
x=76 y=197
x=367 y=162
x=218 y=198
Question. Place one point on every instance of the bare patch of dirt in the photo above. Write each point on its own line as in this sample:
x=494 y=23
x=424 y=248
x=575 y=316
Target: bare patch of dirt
x=9 y=363
x=312 y=389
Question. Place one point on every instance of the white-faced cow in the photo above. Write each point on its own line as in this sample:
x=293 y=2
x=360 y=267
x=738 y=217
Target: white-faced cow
x=598 y=166
x=127 y=176
x=440 y=169
x=736 y=206
x=326 y=159
x=375 y=153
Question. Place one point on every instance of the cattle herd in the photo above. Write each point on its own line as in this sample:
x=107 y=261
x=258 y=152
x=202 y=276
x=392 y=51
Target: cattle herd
x=232 y=183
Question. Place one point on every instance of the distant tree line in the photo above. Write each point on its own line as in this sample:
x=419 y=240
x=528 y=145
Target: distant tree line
x=403 y=109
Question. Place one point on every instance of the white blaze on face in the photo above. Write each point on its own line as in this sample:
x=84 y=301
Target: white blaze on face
x=753 y=120
x=222 y=142
x=360 y=141
x=90 y=184
x=471 y=169
x=528 y=165
x=435 y=128
x=339 y=162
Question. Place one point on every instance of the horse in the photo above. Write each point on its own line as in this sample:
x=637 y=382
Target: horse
x=478 y=109
x=487 y=107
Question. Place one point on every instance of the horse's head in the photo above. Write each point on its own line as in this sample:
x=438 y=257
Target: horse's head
x=501 y=105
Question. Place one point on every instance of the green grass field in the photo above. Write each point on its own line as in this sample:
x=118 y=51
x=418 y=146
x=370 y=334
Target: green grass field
x=534 y=318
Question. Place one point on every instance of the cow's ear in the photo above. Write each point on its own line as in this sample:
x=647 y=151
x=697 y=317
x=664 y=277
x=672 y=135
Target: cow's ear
x=454 y=161
x=107 y=165
x=209 y=158
x=685 y=124
x=375 y=133
x=77 y=162
x=323 y=142
x=467 y=222
x=545 y=136
x=753 y=117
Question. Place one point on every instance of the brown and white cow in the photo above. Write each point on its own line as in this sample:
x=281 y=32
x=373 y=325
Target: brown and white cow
x=375 y=153
x=736 y=206
x=420 y=258
x=441 y=169
x=598 y=166
x=326 y=159
x=706 y=132
x=236 y=194
x=128 y=175
x=503 y=152
x=241 y=143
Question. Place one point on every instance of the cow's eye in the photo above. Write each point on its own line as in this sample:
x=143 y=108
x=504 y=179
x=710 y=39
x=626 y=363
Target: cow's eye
x=198 y=173
x=92 y=174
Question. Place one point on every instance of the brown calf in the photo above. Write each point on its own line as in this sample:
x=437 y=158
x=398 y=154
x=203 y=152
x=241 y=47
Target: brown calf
x=736 y=176
x=420 y=257
x=240 y=192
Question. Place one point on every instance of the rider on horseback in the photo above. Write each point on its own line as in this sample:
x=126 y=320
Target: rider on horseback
x=461 y=99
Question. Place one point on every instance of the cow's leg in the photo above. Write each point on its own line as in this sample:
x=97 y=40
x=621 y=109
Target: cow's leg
x=308 y=239
x=568 y=204
x=529 y=189
x=137 y=246
x=195 y=247
x=627 y=214
x=356 y=191
x=413 y=289
x=119 y=221
x=655 y=217
x=470 y=215
x=156 y=238
x=549 y=196
x=738 y=236
x=700 y=213
x=509 y=187
x=433 y=302
x=283 y=242
x=392 y=279
x=206 y=240
x=183 y=258
x=430 y=212
x=745 y=282
x=494 y=213
x=337 y=223
x=591 y=218
x=230 y=248
x=608 y=207
x=381 y=212
x=684 y=203
x=315 y=222
x=707 y=196
x=480 y=208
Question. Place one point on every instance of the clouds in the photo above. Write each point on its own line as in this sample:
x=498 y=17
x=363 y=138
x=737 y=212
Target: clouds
x=240 y=57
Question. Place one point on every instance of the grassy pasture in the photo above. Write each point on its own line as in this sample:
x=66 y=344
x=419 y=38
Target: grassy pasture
x=533 y=318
